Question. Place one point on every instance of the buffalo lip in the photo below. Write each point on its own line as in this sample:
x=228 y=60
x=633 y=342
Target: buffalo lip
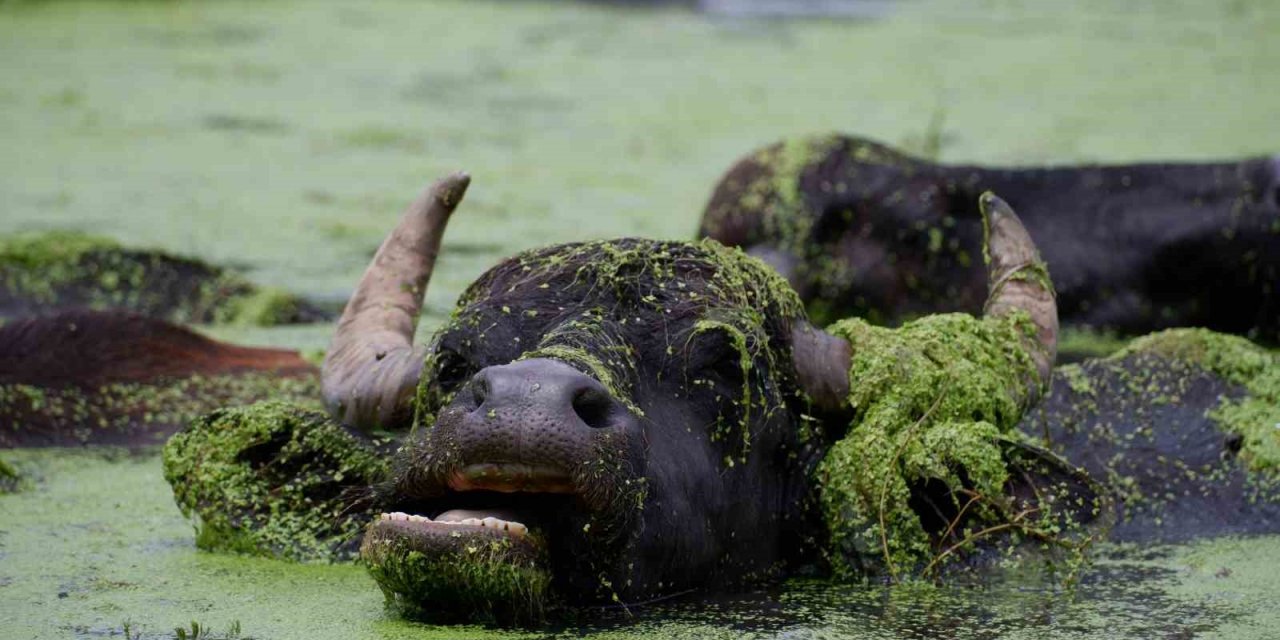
x=511 y=478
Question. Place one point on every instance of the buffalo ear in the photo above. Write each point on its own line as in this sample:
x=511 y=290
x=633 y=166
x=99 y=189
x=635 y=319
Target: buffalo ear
x=822 y=366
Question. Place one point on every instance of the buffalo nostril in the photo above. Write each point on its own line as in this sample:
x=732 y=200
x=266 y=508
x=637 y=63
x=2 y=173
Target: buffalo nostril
x=593 y=407
x=479 y=386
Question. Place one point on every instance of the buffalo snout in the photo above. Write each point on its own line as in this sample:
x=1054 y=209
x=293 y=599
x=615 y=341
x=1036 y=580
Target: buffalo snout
x=532 y=422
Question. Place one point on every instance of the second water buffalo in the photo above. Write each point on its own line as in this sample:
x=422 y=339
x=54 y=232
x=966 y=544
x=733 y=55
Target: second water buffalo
x=862 y=229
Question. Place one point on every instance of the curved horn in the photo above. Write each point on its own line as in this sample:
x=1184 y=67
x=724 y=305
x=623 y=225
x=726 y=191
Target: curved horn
x=1019 y=281
x=371 y=370
x=822 y=365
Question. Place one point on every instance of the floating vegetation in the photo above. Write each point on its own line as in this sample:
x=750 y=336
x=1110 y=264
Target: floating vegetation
x=925 y=475
x=272 y=479
x=10 y=479
x=133 y=413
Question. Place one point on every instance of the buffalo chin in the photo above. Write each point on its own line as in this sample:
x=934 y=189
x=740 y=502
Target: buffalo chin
x=455 y=572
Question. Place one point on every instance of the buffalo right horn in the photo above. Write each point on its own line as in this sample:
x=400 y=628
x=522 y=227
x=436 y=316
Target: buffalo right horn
x=1019 y=281
x=372 y=368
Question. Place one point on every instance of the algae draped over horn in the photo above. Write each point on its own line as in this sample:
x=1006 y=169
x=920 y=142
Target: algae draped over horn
x=934 y=401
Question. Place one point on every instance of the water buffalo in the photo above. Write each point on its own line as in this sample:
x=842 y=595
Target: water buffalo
x=83 y=376
x=623 y=420
x=861 y=229
x=55 y=271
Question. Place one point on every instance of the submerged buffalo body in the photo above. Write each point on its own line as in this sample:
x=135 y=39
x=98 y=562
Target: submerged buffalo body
x=861 y=229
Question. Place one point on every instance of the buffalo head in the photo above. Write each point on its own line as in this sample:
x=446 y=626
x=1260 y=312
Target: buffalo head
x=603 y=421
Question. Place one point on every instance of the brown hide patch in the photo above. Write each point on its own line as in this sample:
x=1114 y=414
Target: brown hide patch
x=95 y=377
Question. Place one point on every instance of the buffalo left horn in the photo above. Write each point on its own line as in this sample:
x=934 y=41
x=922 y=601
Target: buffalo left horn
x=372 y=368
x=1017 y=281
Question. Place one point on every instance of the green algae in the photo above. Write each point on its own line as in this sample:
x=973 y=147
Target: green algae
x=262 y=307
x=588 y=345
x=522 y=115
x=936 y=400
x=101 y=526
x=1256 y=415
x=10 y=479
x=237 y=179
x=271 y=479
x=775 y=194
x=70 y=269
x=451 y=579
x=1236 y=574
x=1079 y=343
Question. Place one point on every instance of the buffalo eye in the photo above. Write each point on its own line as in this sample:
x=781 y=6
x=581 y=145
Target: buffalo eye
x=452 y=371
x=715 y=360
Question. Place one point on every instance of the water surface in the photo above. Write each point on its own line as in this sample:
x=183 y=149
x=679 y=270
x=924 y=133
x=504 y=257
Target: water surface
x=284 y=137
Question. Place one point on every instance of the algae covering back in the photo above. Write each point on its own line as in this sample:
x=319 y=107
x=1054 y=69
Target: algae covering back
x=45 y=272
x=272 y=479
x=1182 y=425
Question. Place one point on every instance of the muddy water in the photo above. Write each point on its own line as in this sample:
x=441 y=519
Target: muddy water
x=284 y=137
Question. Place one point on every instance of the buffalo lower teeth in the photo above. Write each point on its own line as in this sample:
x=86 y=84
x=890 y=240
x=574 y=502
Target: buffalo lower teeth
x=399 y=516
x=514 y=528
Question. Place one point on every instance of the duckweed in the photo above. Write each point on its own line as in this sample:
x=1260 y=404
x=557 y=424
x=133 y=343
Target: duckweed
x=935 y=401
x=58 y=269
x=272 y=479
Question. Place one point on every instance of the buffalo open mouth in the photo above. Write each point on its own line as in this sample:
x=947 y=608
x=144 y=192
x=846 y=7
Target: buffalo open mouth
x=479 y=549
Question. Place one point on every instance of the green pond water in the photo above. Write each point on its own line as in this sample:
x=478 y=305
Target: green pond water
x=285 y=137
x=97 y=543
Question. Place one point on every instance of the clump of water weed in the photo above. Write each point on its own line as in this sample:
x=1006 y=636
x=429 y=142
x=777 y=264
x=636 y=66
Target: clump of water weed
x=195 y=631
x=10 y=479
x=923 y=476
x=272 y=479
x=450 y=578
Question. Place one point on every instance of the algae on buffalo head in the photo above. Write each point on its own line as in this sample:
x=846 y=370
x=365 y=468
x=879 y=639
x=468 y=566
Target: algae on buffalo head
x=271 y=479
